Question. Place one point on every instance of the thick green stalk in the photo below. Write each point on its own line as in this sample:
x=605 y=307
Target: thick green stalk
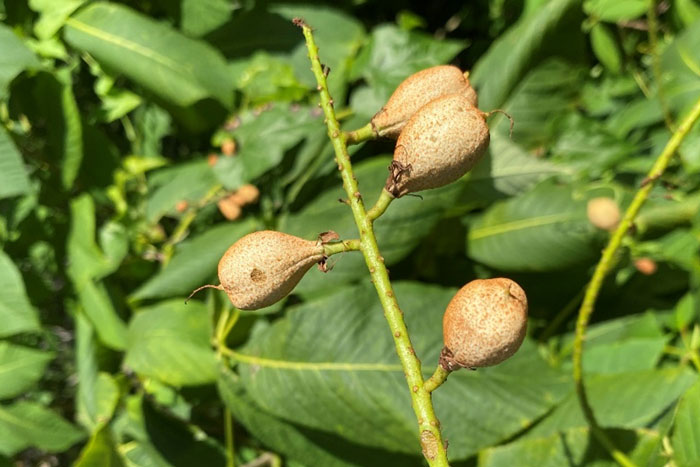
x=606 y=263
x=341 y=247
x=385 y=199
x=365 y=133
x=429 y=426
x=435 y=381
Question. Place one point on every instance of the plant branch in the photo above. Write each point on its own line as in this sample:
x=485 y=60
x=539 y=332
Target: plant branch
x=429 y=426
x=360 y=135
x=330 y=249
x=435 y=381
x=385 y=199
x=606 y=262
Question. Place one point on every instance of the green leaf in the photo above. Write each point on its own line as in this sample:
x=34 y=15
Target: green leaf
x=175 y=68
x=572 y=447
x=86 y=260
x=16 y=57
x=605 y=47
x=393 y=54
x=686 y=431
x=311 y=447
x=194 y=262
x=171 y=342
x=52 y=15
x=336 y=353
x=620 y=400
x=552 y=30
x=100 y=451
x=680 y=67
x=98 y=307
x=199 y=17
x=20 y=368
x=28 y=424
x=13 y=176
x=543 y=230
x=615 y=11
x=86 y=349
x=16 y=312
x=262 y=140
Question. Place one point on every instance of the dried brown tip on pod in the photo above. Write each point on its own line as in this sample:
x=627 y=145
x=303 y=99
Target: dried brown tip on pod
x=440 y=143
x=484 y=324
x=263 y=267
x=416 y=91
x=603 y=213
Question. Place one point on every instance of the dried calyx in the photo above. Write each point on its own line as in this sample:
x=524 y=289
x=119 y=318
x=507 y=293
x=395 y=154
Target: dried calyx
x=416 y=91
x=484 y=324
x=439 y=144
x=263 y=267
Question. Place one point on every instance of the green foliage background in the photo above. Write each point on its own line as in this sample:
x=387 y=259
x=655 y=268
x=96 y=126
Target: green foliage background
x=110 y=113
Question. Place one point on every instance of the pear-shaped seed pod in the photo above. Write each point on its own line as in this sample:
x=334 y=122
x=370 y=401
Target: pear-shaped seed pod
x=484 y=324
x=416 y=91
x=263 y=267
x=440 y=143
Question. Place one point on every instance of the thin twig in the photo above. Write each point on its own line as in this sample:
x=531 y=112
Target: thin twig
x=605 y=265
x=429 y=427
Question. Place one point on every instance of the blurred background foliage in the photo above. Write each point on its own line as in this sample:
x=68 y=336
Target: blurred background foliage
x=126 y=126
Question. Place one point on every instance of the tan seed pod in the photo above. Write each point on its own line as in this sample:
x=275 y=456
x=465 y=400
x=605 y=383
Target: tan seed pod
x=416 y=91
x=229 y=207
x=440 y=143
x=646 y=266
x=247 y=194
x=484 y=324
x=263 y=267
x=603 y=213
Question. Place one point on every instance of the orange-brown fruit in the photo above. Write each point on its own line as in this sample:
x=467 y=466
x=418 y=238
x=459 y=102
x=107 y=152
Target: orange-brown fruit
x=247 y=194
x=416 y=91
x=646 y=266
x=484 y=324
x=228 y=147
x=229 y=207
x=603 y=213
x=263 y=267
x=182 y=205
x=440 y=143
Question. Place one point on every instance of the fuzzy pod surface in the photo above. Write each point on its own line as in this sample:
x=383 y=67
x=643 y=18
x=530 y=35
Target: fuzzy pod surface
x=263 y=267
x=416 y=91
x=438 y=145
x=485 y=323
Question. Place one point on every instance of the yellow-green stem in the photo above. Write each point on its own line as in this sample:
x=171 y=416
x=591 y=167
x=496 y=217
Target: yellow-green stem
x=435 y=381
x=365 y=133
x=606 y=263
x=385 y=199
x=428 y=424
x=330 y=249
x=228 y=432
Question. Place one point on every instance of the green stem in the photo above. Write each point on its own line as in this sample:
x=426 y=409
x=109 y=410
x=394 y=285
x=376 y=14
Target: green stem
x=228 y=433
x=330 y=249
x=360 y=135
x=606 y=263
x=435 y=381
x=429 y=426
x=385 y=199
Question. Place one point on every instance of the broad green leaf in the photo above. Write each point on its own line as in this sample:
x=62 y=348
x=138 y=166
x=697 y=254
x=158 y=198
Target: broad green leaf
x=68 y=137
x=311 y=447
x=605 y=47
x=680 y=66
x=263 y=79
x=14 y=58
x=686 y=431
x=576 y=446
x=194 y=262
x=620 y=400
x=189 y=182
x=52 y=15
x=16 y=312
x=393 y=54
x=688 y=11
x=20 y=368
x=626 y=355
x=86 y=260
x=180 y=70
x=543 y=230
x=552 y=30
x=336 y=352
x=615 y=10
x=98 y=307
x=399 y=230
x=86 y=363
x=199 y=17
x=13 y=176
x=100 y=451
x=171 y=342
x=262 y=140
x=29 y=424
